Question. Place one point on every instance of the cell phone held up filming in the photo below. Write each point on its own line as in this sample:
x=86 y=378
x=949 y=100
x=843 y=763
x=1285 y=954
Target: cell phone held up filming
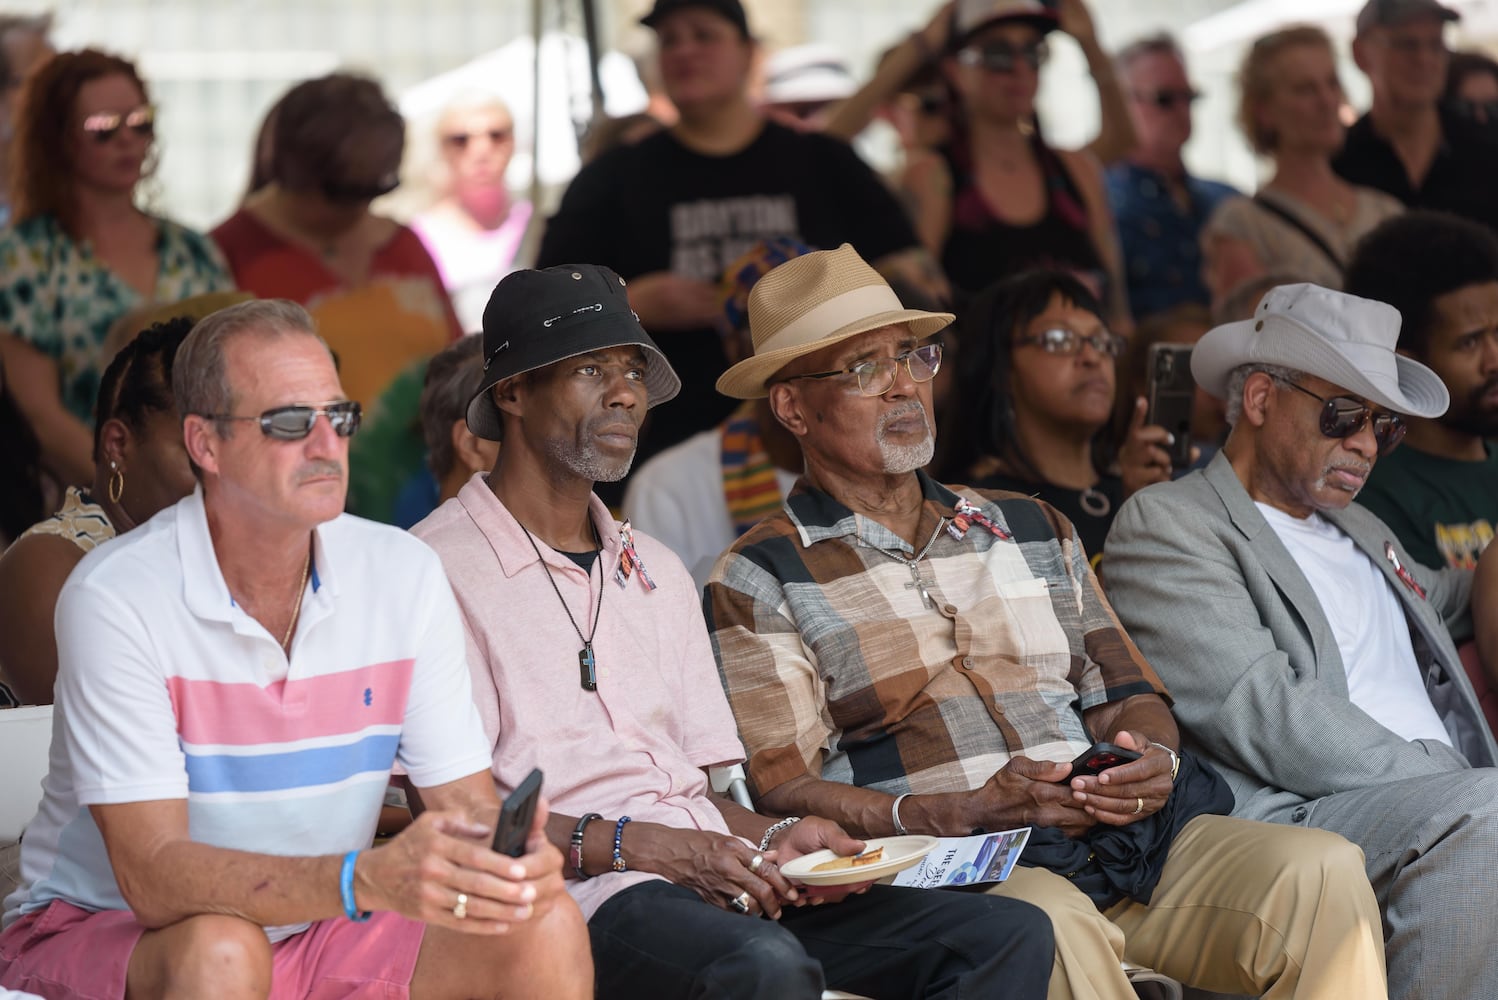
x=1172 y=394
x=1099 y=758
x=516 y=816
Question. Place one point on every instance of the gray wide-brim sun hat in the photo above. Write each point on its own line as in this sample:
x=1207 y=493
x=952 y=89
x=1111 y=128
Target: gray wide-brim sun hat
x=537 y=318
x=1348 y=341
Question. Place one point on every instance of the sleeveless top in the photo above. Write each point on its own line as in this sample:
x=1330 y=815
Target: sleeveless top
x=981 y=248
x=80 y=521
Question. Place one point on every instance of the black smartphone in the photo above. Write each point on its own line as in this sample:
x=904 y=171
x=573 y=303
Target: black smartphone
x=1172 y=394
x=516 y=815
x=1099 y=757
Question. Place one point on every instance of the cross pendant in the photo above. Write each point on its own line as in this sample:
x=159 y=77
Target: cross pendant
x=916 y=583
x=587 y=667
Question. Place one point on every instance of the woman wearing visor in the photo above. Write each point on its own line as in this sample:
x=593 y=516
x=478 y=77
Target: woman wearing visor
x=997 y=199
x=80 y=253
x=333 y=145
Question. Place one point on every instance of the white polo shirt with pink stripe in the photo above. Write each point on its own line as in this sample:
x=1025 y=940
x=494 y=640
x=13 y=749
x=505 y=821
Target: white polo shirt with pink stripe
x=166 y=689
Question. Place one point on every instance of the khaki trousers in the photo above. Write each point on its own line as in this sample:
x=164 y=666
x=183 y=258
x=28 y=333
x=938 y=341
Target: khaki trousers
x=1241 y=907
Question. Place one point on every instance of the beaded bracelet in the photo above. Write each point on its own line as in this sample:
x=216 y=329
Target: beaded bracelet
x=346 y=889
x=785 y=824
x=619 y=865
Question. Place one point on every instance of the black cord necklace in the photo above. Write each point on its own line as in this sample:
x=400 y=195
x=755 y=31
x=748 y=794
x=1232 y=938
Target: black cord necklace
x=587 y=667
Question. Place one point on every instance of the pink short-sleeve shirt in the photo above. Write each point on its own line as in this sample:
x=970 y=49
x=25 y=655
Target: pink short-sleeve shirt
x=636 y=746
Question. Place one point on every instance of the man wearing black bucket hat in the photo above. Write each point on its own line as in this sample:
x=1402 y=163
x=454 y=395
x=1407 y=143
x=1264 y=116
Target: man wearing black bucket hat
x=608 y=685
x=1307 y=652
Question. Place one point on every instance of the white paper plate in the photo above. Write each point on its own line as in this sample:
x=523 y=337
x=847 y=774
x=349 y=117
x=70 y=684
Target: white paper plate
x=899 y=853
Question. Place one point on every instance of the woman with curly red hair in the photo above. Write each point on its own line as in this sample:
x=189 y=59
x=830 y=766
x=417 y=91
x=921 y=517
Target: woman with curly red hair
x=80 y=253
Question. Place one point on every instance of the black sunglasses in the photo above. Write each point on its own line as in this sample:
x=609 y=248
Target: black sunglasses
x=1167 y=98
x=104 y=125
x=293 y=423
x=1001 y=57
x=461 y=140
x=1343 y=416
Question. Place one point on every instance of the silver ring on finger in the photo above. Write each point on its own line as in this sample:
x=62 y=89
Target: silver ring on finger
x=756 y=863
x=460 y=908
x=741 y=902
x=1138 y=807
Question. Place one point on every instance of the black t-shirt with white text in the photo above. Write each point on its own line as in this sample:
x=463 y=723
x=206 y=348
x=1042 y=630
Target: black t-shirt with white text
x=659 y=206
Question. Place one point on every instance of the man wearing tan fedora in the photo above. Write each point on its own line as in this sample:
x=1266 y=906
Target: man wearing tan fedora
x=591 y=662
x=1308 y=652
x=906 y=656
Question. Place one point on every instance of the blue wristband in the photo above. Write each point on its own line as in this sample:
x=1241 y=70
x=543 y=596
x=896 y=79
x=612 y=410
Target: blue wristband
x=346 y=888
x=619 y=865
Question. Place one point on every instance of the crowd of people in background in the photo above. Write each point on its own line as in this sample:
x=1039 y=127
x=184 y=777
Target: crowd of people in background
x=872 y=473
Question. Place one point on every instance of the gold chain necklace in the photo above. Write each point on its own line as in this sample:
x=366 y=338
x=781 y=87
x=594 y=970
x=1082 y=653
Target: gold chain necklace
x=296 y=609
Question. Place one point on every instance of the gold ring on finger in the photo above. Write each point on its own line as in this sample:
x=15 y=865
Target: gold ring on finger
x=1138 y=806
x=460 y=908
x=741 y=902
x=756 y=863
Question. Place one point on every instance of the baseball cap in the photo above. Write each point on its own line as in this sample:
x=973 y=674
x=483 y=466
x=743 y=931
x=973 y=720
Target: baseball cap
x=537 y=318
x=1386 y=13
x=970 y=16
x=730 y=9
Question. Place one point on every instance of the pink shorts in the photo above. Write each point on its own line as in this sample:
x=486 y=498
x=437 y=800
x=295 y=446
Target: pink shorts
x=67 y=953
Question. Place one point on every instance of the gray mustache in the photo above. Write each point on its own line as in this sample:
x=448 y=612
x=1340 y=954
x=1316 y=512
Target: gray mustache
x=314 y=470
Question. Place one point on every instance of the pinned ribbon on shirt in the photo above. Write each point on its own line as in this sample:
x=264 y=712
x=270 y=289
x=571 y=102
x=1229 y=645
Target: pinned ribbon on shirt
x=1399 y=570
x=968 y=515
x=629 y=560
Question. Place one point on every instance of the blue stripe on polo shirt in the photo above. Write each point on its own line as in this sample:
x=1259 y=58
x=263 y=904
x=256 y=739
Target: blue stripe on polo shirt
x=297 y=769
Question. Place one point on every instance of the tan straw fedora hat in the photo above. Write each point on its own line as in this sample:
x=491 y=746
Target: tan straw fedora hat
x=812 y=302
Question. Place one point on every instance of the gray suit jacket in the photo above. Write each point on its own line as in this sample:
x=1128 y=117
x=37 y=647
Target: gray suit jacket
x=1217 y=604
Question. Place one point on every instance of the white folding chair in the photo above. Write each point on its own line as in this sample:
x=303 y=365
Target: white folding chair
x=732 y=781
x=25 y=739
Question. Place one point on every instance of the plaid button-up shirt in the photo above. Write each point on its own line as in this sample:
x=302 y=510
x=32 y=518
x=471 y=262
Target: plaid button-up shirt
x=847 y=658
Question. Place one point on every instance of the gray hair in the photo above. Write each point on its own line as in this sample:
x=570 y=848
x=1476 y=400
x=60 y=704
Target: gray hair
x=1160 y=44
x=452 y=378
x=200 y=378
x=1238 y=376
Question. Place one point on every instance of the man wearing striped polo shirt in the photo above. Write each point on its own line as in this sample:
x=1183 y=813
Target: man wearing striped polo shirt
x=237 y=678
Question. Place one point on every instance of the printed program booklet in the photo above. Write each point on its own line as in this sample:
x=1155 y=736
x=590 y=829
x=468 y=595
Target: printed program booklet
x=987 y=857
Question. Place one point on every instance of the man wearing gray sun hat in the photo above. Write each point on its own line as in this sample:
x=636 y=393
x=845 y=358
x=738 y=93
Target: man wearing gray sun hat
x=1308 y=654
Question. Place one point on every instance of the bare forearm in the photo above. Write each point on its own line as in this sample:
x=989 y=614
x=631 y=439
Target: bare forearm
x=185 y=879
x=864 y=812
x=1145 y=714
x=853 y=115
x=1115 y=136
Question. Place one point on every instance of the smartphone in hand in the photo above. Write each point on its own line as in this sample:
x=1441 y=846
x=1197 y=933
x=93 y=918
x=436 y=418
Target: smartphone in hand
x=1172 y=394
x=1099 y=758
x=516 y=816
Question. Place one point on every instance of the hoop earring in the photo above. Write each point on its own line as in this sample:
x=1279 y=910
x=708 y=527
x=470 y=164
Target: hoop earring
x=116 y=487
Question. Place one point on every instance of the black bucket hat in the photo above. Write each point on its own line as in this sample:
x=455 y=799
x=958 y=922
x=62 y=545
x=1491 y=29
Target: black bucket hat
x=537 y=318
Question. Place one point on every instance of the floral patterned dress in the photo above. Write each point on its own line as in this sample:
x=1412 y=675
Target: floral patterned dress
x=60 y=298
